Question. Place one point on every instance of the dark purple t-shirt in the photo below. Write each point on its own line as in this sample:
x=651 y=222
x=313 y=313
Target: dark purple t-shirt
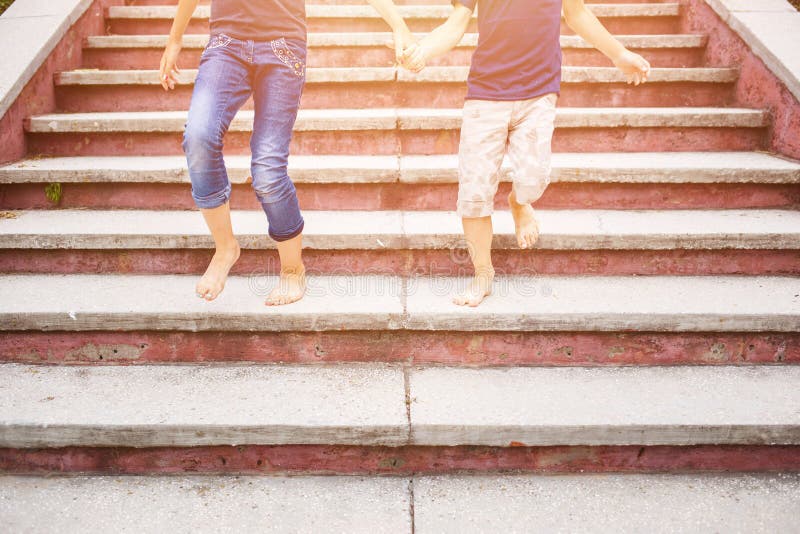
x=519 y=51
x=259 y=20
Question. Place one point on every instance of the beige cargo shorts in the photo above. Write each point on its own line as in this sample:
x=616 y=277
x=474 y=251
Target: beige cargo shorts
x=522 y=129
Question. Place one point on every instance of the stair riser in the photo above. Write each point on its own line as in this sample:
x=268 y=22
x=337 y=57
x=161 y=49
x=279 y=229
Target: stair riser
x=617 y=25
x=408 y=262
x=411 y=347
x=320 y=459
x=398 y=94
x=559 y=195
x=360 y=56
x=408 y=142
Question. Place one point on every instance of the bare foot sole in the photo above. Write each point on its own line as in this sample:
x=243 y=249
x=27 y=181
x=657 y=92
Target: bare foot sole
x=213 y=281
x=478 y=289
x=525 y=223
x=291 y=288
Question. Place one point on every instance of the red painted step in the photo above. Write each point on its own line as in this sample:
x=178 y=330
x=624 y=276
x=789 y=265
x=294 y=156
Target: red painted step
x=495 y=348
x=376 y=56
x=346 y=196
x=410 y=460
x=77 y=99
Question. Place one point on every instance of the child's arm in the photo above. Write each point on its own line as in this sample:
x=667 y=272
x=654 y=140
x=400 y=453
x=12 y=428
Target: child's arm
x=403 y=37
x=441 y=40
x=169 y=59
x=585 y=23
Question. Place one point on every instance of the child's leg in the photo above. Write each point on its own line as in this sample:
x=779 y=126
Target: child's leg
x=484 y=133
x=529 y=152
x=277 y=88
x=222 y=86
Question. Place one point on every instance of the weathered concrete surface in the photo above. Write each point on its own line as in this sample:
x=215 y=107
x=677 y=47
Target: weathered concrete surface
x=631 y=167
x=151 y=406
x=205 y=504
x=144 y=302
x=770 y=29
x=407 y=11
x=30 y=31
x=608 y=503
x=572 y=117
x=373 y=39
x=404 y=119
x=172 y=169
x=399 y=230
x=350 y=75
x=609 y=406
x=611 y=303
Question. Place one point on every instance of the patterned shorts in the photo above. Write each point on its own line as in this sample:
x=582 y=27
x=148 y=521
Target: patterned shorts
x=523 y=129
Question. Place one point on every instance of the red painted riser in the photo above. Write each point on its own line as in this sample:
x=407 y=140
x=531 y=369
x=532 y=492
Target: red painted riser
x=148 y=58
x=560 y=195
x=617 y=25
x=398 y=94
x=322 y=459
x=404 y=262
x=408 y=142
x=411 y=347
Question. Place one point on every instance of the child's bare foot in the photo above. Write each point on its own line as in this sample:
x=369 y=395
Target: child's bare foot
x=213 y=281
x=525 y=223
x=291 y=287
x=479 y=288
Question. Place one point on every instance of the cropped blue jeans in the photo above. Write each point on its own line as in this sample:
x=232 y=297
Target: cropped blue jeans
x=230 y=71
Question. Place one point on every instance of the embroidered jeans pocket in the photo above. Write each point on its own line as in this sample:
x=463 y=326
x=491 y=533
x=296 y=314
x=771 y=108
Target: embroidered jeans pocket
x=289 y=58
x=218 y=41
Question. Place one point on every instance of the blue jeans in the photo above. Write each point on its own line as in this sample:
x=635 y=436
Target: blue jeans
x=230 y=71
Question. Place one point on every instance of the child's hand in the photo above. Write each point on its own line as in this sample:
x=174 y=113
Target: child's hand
x=415 y=57
x=403 y=39
x=168 y=71
x=635 y=67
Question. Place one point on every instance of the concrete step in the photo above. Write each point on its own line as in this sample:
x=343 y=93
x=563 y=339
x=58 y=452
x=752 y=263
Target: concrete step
x=642 y=168
x=399 y=231
x=619 y=18
x=207 y=504
x=408 y=131
x=652 y=180
x=80 y=303
x=369 y=87
x=451 y=503
x=367 y=49
x=366 y=405
x=606 y=503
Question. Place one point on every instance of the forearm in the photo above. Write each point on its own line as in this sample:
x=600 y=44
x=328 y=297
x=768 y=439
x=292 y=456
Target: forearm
x=585 y=23
x=447 y=36
x=182 y=17
x=390 y=14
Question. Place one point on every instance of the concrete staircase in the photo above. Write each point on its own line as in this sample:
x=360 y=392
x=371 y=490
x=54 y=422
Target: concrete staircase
x=653 y=329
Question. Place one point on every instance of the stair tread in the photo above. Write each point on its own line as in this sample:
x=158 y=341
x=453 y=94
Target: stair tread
x=403 y=118
x=629 y=167
x=199 y=405
x=407 y=11
x=204 y=504
x=607 y=503
x=448 y=74
x=717 y=502
x=85 y=302
x=584 y=229
x=366 y=405
x=371 y=39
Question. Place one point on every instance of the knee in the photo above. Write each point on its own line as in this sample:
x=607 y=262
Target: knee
x=271 y=183
x=200 y=139
x=530 y=190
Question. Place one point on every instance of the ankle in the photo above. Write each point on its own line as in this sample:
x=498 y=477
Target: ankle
x=293 y=270
x=484 y=272
x=227 y=247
